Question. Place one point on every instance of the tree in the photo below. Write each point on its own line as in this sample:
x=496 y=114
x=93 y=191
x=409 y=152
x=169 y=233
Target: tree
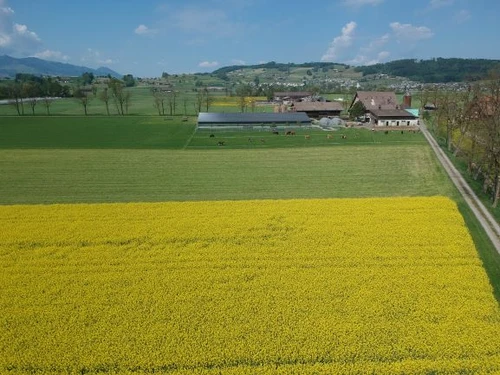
x=32 y=91
x=207 y=98
x=199 y=101
x=120 y=96
x=171 y=100
x=357 y=110
x=105 y=97
x=87 y=78
x=159 y=101
x=129 y=80
x=15 y=93
x=84 y=98
x=243 y=91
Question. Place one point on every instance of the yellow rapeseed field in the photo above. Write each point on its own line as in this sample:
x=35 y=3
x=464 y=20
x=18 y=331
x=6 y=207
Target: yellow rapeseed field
x=361 y=286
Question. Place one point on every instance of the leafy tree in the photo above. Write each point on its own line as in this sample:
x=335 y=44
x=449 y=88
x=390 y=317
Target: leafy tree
x=357 y=110
x=129 y=80
x=87 y=78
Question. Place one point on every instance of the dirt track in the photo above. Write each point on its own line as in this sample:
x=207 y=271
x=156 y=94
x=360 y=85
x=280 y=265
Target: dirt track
x=487 y=220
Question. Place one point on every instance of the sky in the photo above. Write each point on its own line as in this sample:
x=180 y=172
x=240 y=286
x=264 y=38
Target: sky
x=146 y=38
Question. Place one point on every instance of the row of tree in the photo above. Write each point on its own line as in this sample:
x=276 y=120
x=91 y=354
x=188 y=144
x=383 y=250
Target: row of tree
x=469 y=124
x=27 y=90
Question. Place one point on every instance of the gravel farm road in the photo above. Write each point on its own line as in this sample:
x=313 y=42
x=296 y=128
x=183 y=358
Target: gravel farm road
x=487 y=220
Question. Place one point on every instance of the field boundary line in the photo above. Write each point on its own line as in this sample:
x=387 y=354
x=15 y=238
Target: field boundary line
x=189 y=140
x=485 y=218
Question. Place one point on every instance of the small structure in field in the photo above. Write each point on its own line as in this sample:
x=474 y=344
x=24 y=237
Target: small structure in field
x=252 y=121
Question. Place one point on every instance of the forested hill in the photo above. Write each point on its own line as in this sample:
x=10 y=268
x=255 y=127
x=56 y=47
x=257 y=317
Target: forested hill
x=10 y=66
x=436 y=70
x=279 y=66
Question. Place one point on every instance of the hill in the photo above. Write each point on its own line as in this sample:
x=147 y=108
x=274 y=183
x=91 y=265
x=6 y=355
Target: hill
x=10 y=66
x=437 y=70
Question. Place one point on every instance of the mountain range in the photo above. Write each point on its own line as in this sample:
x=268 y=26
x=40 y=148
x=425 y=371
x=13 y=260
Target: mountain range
x=10 y=66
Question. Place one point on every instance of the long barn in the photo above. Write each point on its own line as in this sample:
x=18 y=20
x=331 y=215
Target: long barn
x=252 y=121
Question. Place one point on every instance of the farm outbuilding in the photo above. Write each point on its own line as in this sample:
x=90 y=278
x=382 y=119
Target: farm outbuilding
x=392 y=117
x=252 y=121
x=319 y=109
x=291 y=95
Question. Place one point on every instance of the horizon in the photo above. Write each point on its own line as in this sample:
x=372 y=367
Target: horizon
x=183 y=37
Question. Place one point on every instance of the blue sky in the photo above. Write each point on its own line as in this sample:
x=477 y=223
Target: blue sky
x=146 y=38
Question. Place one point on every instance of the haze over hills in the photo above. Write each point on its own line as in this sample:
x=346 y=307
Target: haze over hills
x=10 y=66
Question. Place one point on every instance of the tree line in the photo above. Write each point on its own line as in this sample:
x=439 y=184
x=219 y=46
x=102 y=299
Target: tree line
x=468 y=122
x=439 y=70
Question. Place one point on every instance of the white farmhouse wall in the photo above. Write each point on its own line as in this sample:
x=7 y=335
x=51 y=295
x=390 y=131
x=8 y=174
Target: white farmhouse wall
x=397 y=122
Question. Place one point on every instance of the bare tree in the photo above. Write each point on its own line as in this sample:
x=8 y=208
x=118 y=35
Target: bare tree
x=171 y=101
x=185 y=101
x=199 y=101
x=120 y=96
x=105 y=97
x=208 y=98
x=84 y=98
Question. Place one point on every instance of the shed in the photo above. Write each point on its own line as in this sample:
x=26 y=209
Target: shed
x=319 y=109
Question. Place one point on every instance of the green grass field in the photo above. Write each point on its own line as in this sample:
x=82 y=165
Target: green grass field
x=143 y=159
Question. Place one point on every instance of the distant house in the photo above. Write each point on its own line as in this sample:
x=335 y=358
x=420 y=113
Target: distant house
x=318 y=109
x=392 y=117
x=291 y=95
x=251 y=121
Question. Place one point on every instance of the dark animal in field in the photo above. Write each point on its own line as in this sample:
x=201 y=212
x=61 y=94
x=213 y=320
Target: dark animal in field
x=221 y=143
x=290 y=132
x=250 y=140
x=276 y=133
x=386 y=132
x=212 y=135
x=344 y=136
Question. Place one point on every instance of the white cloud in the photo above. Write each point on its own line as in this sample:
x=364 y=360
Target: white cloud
x=238 y=62
x=205 y=21
x=462 y=16
x=52 y=55
x=371 y=53
x=341 y=42
x=93 y=57
x=22 y=30
x=409 y=33
x=15 y=38
x=360 y=3
x=144 y=30
x=208 y=64
x=435 y=4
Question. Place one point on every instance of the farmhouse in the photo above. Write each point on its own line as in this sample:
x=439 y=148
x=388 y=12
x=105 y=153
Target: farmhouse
x=318 y=109
x=375 y=100
x=291 y=95
x=251 y=121
x=392 y=117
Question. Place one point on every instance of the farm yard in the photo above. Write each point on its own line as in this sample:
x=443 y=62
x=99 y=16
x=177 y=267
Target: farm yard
x=135 y=245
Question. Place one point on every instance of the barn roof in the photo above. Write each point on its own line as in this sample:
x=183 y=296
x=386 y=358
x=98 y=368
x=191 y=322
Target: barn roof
x=392 y=113
x=318 y=106
x=252 y=118
x=376 y=99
